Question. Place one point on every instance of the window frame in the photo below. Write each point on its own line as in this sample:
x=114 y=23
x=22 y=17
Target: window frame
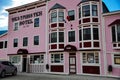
x=38 y=24
x=53 y=17
x=16 y=28
x=61 y=58
x=71 y=37
x=15 y=42
x=72 y=17
x=25 y=42
x=36 y=41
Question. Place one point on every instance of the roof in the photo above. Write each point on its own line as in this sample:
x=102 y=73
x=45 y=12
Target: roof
x=57 y=6
x=3 y=32
x=117 y=21
x=105 y=9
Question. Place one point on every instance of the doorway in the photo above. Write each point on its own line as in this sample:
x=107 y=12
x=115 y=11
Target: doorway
x=72 y=63
x=24 y=65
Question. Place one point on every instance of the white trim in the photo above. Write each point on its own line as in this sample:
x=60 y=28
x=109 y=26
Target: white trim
x=115 y=65
x=6 y=33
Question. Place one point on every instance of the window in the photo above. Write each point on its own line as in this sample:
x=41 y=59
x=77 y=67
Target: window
x=56 y=58
x=71 y=14
x=79 y=12
x=80 y=35
x=116 y=33
x=15 y=59
x=61 y=36
x=71 y=36
x=16 y=25
x=1 y=45
x=5 y=44
x=95 y=34
x=15 y=43
x=36 y=59
x=36 y=40
x=36 y=22
x=94 y=10
x=87 y=34
x=117 y=59
x=54 y=37
x=90 y=58
x=25 y=41
x=86 y=10
x=54 y=16
x=61 y=16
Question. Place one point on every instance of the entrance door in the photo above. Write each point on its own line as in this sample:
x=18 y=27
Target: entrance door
x=24 y=65
x=72 y=64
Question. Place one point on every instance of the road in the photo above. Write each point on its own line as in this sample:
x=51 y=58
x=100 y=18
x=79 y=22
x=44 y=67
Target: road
x=31 y=76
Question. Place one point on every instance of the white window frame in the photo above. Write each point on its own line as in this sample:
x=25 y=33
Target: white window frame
x=68 y=36
x=113 y=63
x=14 y=27
x=34 y=22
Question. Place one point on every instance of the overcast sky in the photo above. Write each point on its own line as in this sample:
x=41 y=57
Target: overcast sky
x=5 y=4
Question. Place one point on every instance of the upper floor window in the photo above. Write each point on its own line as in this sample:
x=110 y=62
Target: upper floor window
x=36 y=22
x=94 y=10
x=88 y=33
x=61 y=36
x=5 y=44
x=36 y=40
x=54 y=37
x=25 y=41
x=16 y=25
x=54 y=16
x=61 y=16
x=1 y=45
x=117 y=59
x=15 y=43
x=80 y=12
x=71 y=15
x=86 y=10
x=71 y=36
x=116 y=33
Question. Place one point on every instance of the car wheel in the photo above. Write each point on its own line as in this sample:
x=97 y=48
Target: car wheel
x=2 y=74
x=14 y=73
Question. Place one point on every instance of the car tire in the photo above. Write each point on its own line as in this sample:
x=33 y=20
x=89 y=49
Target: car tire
x=14 y=73
x=2 y=74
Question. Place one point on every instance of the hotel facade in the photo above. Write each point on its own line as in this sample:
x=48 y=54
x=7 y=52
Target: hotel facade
x=63 y=37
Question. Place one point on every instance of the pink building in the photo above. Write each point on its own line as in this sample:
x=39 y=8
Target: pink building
x=60 y=37
x=112 y=36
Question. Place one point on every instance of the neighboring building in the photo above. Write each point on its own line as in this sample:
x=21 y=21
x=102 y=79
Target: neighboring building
x=59 y=37
x=112 y=36
x=3 y=44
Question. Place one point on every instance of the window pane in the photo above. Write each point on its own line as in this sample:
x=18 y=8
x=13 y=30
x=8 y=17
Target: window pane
x=36 y=40
x=86 y=10
x=71 y=36
x=36 y=22
x=15 y=43
x=79 y=12
x=71 y=14
x=113 y=34
x=61 y=16
x=54 y=37
x=61 y=36
x=1 y=45
x=36 y=59
x=118 y=32
x=87 y=34
x=80 y=35
x=15 y=59
x=94 y=10
x=54 y=17
x=56 y=58
x=25 y=41
x=117 y=59
x=16 y=26
x=95 y=34
x=5 y=44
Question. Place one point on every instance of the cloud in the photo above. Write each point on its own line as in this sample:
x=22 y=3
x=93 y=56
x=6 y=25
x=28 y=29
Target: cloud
x=4 y=14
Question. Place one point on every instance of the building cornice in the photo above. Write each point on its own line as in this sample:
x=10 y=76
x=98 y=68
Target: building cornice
x=111 y=13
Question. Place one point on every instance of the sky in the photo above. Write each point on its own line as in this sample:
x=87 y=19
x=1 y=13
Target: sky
x=112 y=5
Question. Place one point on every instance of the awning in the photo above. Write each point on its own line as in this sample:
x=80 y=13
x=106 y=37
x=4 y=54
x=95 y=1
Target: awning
x=70 y=48
x=22 y=51
x=115 y=22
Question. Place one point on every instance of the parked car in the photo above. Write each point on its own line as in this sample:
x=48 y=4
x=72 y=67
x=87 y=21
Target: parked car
x=7 y=67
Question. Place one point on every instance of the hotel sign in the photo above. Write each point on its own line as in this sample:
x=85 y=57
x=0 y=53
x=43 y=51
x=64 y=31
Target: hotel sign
x=27 y=18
